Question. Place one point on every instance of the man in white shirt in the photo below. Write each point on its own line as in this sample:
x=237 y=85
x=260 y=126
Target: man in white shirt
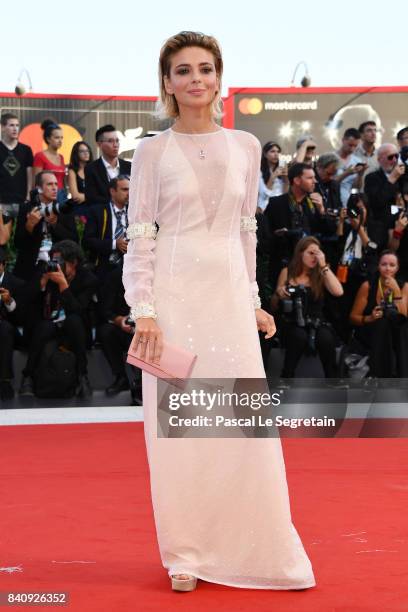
x=366 y=150
x=351 y=169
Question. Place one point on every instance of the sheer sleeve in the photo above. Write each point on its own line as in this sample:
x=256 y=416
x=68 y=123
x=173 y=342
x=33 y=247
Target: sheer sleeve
x=248 y=221
x=138 y=264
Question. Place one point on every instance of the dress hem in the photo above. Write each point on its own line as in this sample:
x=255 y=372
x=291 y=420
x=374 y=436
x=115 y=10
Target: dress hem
x=299 y=587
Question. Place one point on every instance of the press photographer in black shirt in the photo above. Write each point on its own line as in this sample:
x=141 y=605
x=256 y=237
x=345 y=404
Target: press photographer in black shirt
x=293 y=215
x=59 y=296
x=380 y=316
x=299 y=298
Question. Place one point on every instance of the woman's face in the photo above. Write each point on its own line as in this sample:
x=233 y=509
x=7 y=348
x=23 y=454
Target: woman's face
x=193 y=79
x=388 y=266
x=309 y=256
x=55 y=140
x=273 y=155
x=83 y=153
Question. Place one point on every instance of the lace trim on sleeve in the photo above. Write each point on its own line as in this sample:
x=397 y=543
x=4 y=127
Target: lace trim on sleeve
x=141 y=230
x=248 y=224
x=143 y=310
x=256 y=301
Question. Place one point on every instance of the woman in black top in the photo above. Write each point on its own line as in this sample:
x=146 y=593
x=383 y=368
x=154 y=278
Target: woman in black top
x=380 y=314
x=300 y=295
x=81 y=155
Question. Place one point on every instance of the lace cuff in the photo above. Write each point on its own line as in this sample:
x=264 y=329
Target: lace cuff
x=143 y=310
x=141 y=230
x=256 y=301
x=248 y=224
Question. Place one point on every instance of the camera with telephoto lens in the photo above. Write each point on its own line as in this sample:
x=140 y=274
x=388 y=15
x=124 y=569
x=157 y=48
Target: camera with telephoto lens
x=294 y=305
x=55 y=207
x=353 y=211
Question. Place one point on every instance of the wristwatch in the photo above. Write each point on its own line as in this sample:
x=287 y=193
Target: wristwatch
x=372 y=245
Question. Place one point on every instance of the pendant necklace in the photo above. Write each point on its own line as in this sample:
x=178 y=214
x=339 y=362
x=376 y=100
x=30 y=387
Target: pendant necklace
x=201 y=153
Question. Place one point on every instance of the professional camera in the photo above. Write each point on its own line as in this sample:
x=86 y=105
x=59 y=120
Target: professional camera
x=294 y=305
x=353 y=211
x=54 y=207
x=52 y=265
x=333 y=212
x=390 y=311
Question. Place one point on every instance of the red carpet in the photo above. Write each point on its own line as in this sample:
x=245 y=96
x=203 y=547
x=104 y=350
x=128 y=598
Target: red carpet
x=73 y=493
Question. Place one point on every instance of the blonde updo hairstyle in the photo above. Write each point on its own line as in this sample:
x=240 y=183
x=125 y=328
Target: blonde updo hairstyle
x=167 y=106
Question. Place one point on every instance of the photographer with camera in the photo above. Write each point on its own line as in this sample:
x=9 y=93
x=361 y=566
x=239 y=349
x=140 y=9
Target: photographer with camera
x=41 y=223
x=398 y=236
x=11 y=298
x=357 y=257
x=380 y=316
x=293 y=215
x=300 y=297
x=60 y=295
x=115 y=335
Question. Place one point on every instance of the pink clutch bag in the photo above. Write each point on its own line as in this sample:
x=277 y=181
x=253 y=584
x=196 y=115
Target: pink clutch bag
x=175 y=362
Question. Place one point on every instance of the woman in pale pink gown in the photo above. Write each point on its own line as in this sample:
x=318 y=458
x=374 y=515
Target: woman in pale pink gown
x=221 y=506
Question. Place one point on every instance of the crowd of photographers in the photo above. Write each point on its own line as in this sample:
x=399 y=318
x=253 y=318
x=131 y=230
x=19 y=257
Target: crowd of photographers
x=56 y=302
x=332 y=257
x=333 y=252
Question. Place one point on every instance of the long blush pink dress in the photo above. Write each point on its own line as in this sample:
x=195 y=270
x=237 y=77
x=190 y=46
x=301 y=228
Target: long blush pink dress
x=221 y=506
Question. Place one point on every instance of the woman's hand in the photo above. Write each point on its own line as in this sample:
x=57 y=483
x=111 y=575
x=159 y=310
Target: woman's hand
x=401 y=222
x=321 y=258
x=390 y=285
x=282 y=292
x=265 y=323
x=376 y=314
x=149 y=335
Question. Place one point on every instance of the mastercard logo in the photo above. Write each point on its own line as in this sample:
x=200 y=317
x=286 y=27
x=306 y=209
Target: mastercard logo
x=250 y=106
x=32 y=135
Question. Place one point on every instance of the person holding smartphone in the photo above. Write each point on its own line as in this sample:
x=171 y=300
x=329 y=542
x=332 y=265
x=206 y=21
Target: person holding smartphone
x=351 y=168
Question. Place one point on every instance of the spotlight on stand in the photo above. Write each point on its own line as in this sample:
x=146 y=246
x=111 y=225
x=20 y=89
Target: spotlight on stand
x=306 y=80
x=20 y=88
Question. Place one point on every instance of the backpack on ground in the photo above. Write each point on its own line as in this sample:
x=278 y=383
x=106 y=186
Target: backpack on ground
x=56 y=373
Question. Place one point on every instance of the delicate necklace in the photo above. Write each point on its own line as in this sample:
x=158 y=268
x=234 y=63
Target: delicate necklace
x=201 y=152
